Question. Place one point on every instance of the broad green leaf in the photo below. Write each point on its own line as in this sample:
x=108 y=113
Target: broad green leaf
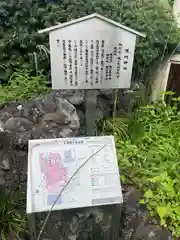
x=161 y=210
x=148 y=194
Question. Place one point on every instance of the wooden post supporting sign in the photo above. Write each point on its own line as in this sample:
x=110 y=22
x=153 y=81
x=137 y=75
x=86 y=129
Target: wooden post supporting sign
x=90 y=108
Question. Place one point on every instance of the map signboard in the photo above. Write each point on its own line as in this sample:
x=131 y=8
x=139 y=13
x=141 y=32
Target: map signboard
x=86 y=168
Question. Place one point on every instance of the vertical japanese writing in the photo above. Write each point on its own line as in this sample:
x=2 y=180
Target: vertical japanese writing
x=119 y=61
x=109 y=59
x=75 y=63
x=107 y=66
x=126 y=50
x=110 y=66
x=91 y=60
x=81 y=52
x=107 y=73
x=64 y=60
x=120 y=48
x=93 y=63
x=102 y=61
x=125 y=63
x=86 y=61
x=110 y=72
x=115 y=51
x=58 y=42
x=97 y=61
x=70 y=62
x=64 y=49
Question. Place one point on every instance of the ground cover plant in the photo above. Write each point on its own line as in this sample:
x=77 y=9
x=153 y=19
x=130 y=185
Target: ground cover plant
x=148 y=150
x=22 y=86
x=13 y=222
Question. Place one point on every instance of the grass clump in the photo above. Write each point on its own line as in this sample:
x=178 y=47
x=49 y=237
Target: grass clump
x=148 y=150
x=22 y=86
x=12 y=215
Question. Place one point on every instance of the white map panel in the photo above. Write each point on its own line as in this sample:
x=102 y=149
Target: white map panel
x=92 y=54
x=52 y=162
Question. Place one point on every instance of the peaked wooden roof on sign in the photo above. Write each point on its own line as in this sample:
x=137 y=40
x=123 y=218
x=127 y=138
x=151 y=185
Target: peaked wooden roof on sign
x=94 y=15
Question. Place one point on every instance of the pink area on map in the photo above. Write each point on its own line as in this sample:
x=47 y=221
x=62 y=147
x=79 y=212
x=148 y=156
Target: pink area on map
x=54 y=173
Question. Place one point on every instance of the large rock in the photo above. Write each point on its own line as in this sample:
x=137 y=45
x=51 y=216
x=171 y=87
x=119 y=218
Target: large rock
x=129 y=221
x=100 y=223
x=136 y=223
x=45 y=117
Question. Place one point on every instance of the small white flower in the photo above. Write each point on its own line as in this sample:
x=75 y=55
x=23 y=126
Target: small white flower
x=129 y=91
x=20 y=107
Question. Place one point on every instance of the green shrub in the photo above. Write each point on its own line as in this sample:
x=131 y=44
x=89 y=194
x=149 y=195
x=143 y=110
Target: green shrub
x=23 y=86
x=19 y=39
x=12 y=215
x=149 y=157
x=171 y=2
